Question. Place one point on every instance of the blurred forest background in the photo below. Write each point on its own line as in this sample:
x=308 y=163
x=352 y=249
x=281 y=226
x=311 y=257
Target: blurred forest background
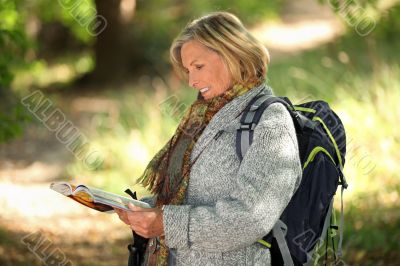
x=102 y=66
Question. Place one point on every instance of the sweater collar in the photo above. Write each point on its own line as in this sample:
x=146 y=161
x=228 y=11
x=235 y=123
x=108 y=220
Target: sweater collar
x=227 y=115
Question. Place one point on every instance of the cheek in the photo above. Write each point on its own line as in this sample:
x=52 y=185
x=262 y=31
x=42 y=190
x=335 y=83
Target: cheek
x=226 y=76
x=219 y=75
x=223 y=77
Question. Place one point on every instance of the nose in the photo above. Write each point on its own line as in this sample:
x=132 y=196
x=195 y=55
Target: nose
x=192 y=81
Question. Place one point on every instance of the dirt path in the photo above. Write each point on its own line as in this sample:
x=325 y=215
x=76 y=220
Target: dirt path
x=34 y=217
x=31 y=213
x=303 y=25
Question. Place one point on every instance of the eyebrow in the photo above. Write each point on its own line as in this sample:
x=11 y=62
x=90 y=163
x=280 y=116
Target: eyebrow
x=190 y=63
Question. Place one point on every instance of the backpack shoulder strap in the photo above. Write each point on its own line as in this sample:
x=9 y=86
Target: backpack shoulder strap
x=250 y=118
x=252 y=115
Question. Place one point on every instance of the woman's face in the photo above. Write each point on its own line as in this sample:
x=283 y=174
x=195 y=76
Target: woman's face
x=207 y=71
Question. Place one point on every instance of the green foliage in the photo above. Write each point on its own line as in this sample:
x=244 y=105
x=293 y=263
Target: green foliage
x=62 y=70
x=13 y=47
x=388 y=27
x=5 y=237
x=12 y=122
x=154 y=26
x=156 y=23
x=365 y=16
x=75 y=15
x=13 y=42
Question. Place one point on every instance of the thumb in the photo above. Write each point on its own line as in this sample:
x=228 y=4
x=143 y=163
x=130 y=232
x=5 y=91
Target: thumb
x=134 y=208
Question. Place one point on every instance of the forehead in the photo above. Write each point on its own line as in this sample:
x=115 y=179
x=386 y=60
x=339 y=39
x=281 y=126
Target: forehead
x=194 y=50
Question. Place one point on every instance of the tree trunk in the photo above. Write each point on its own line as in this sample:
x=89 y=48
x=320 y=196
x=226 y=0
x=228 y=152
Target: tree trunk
x=114 y=47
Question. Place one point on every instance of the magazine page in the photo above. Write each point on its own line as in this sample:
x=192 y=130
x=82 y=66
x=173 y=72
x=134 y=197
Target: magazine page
x=80 y=194
x=84 y=192
x=115 y=200
x=62 y=187
x=91 y=204
x=96 y=199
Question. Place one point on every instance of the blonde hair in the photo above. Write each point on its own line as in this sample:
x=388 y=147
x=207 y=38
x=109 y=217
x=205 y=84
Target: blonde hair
x=222 y=32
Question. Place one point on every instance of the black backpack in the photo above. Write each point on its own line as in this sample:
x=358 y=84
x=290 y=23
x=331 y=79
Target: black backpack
x=321 y=137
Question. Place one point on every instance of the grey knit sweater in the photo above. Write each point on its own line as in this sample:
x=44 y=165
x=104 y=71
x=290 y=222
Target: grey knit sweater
x=230 y=204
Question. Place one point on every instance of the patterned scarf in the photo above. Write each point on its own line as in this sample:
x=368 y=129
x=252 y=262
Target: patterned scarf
x=167 y=174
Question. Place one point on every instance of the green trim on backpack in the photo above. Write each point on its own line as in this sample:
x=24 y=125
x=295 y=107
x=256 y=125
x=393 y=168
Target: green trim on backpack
x=264 y=243
x=314 y=152
x=304 y=109
x=316 y=118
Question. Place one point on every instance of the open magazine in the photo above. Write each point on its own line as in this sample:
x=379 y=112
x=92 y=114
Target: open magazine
x=96 y=199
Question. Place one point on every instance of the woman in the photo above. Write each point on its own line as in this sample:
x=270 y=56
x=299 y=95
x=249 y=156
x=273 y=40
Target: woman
x=210 y=207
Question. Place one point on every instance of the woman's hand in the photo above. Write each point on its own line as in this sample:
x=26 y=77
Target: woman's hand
x=123 y=216
x=145 y=222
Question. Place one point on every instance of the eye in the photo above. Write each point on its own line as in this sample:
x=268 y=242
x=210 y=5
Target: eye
x=198 y=67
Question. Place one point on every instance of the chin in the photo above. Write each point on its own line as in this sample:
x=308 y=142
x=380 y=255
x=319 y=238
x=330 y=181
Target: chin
x=208 y=97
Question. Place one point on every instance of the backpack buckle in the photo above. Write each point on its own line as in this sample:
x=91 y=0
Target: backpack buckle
x=246 y=126
x=254 y=108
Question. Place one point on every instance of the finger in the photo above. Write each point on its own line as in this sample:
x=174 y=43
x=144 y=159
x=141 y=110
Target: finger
x=138 y=230
x=119 y=211
x=135 y=208
x=125 y=219
x=120 y=214
x=138 y=219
